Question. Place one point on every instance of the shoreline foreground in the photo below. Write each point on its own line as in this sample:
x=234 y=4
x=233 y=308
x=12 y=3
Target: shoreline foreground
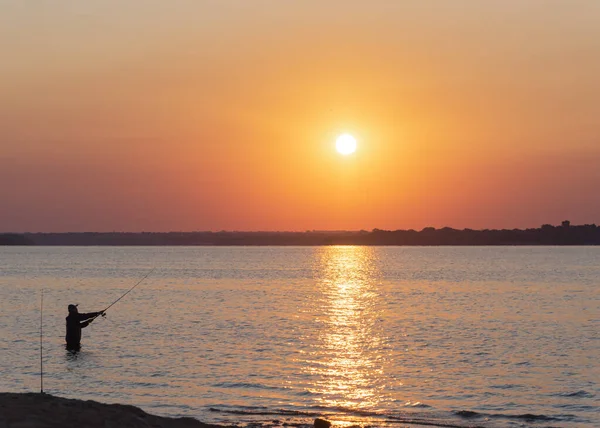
x=40 y=410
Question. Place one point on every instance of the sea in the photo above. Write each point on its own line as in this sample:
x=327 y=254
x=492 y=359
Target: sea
x=278 y=336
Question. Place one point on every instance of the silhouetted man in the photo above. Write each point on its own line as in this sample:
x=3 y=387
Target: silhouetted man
x=75 y=322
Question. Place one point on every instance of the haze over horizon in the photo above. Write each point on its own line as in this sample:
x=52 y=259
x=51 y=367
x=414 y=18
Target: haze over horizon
x=212 y=115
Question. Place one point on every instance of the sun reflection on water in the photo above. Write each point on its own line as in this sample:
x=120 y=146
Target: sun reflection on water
x=347 y=363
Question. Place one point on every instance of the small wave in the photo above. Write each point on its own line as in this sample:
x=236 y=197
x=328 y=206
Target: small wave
x=150 y=385
x=306 y=393
x=245 y=385
x=265 y=412
x=468 y=414
x=429 y=422
x=416 y=404
x=527 y=417
x=576 y=407
x=350 y=411
x=506 y=386
x=321 y=411
x=578 y=394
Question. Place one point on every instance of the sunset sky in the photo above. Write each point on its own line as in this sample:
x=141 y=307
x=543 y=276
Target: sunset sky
x=222 y=115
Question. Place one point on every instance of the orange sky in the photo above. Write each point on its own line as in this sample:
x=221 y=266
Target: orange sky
x=210 y=115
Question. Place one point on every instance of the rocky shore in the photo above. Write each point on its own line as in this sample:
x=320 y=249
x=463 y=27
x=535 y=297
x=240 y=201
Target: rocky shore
x=34 y=410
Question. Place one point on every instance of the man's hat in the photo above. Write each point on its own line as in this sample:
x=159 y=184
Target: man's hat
x=72 y=307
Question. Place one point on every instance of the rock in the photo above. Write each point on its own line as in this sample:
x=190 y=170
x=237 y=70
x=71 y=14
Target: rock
x=33 y=410
x=322 y=423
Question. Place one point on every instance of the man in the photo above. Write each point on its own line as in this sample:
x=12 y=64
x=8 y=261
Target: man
x=75 y=322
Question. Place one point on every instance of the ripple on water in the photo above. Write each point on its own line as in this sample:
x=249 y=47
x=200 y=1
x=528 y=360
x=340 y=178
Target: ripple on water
x=577 y=394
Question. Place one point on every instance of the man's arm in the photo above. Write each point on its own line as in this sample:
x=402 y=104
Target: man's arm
x=85 y=324
x=84 y=317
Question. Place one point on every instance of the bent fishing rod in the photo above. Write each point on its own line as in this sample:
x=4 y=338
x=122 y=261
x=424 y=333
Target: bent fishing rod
x=125 y=294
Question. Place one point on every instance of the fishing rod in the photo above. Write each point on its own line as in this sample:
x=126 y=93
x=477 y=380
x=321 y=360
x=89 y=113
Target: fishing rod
x=125 y=294
x=41 y=347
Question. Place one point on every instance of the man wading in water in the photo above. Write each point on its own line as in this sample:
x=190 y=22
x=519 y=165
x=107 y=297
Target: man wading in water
x=75 y=322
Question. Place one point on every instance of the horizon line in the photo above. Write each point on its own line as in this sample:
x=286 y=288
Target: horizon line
x=565 y=223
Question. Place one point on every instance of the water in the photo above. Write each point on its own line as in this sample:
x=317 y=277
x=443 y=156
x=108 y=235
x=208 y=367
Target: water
x=381 y=336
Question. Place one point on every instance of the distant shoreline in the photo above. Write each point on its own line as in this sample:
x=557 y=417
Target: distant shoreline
x=565 y=234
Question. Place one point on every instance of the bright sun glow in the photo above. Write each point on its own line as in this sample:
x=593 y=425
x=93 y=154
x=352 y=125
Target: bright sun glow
x=345 y=144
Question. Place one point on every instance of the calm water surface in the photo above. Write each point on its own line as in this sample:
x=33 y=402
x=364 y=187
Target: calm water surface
x=381 y=336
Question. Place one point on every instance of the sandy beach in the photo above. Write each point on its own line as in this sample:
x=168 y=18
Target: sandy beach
x=34 y=410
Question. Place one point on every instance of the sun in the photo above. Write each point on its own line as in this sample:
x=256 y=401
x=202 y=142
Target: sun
x=345 y=144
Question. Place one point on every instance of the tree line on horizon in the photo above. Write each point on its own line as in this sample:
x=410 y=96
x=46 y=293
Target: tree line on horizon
x=565 y=234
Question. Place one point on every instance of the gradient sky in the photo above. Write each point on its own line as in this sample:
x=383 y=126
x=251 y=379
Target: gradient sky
x=212 y=114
